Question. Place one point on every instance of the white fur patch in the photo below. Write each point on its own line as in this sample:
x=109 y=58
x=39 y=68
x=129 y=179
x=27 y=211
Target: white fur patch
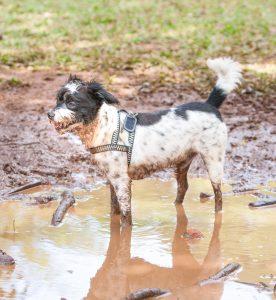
x=63 y=114
x=228 y=72
x=173 y=137
x=73 y=86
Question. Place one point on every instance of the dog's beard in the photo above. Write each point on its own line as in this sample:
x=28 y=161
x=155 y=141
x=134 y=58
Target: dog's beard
x=65 y=120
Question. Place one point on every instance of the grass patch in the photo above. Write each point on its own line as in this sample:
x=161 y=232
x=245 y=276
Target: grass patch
x=104 y=35
x=12 y=82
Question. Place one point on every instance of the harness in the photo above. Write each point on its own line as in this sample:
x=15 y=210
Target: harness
x=130 y=126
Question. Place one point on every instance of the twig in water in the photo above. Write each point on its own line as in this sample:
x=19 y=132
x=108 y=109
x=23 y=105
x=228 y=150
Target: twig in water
x=263 y=203
x=223 y=274
x=145 y=293
x=26 y=186
x=67 y=201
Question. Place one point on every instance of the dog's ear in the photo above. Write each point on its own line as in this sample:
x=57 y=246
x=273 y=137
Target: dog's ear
x=98 y=92
x=73 y=78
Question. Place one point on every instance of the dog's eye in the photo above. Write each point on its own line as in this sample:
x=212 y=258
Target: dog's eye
x=71 y=104
x=60 y=96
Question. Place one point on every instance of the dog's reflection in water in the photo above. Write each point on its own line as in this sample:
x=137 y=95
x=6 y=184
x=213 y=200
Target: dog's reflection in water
x=120 y=274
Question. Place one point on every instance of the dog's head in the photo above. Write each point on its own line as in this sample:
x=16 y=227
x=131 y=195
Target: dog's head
x=78 y=103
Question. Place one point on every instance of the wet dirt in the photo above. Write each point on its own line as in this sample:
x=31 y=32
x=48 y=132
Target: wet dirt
x=87 y=258
x=31 y=150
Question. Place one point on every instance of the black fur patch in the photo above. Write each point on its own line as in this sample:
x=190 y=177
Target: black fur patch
x=146 y=119
x=98 y=91
x=216 y=97
x=181 y=110
x=86 y=101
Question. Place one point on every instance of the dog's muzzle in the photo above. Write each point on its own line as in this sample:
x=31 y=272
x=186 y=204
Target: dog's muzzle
x=51 y=115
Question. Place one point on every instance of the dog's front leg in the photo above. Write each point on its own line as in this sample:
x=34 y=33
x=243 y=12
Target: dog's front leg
x=115 y=208
x=122 y=187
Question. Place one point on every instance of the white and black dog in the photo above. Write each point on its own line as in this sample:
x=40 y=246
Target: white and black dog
x=165 y=138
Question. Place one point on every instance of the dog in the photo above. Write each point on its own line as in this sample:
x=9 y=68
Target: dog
x=165 y=138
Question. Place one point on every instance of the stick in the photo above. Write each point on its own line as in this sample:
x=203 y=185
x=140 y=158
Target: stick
x=18 y=144
x=26 y=187
x=263 y=203
x=145 y=293
x=67 y=201
x=204 y=196
x=221 y=275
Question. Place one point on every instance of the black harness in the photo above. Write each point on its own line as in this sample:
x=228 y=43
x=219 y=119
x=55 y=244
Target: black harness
x=130 y=126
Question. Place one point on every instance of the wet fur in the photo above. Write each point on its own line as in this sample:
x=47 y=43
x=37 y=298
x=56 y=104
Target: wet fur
x=166 y=138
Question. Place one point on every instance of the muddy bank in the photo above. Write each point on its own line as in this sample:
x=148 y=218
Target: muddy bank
x=31 y=150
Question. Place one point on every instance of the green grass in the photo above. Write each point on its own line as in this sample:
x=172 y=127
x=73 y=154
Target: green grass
x=114 y=34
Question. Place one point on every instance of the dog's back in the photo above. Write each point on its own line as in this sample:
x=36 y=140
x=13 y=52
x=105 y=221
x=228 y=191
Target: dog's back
x=174 y=136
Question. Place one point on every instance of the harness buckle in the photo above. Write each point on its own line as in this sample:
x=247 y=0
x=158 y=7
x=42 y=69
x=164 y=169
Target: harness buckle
x=130 y=122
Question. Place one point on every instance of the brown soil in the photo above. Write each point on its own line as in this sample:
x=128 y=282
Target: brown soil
x=31 y=150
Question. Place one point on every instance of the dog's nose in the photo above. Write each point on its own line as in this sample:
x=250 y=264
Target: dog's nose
x=51 y=115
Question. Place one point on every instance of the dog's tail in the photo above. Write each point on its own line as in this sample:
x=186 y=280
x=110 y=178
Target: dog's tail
x=229 y=76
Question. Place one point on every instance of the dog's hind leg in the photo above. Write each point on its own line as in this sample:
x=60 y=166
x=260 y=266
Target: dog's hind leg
x=115 y=208
x=182 y=180
x=214 y=163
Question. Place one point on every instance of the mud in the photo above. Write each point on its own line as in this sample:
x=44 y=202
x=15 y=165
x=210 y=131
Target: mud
x=30 y=150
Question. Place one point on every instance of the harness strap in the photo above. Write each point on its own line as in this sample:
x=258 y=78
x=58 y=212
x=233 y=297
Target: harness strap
x=109 y=147
x=130 y=128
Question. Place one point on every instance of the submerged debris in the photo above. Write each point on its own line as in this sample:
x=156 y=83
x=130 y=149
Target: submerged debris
x=5 y=259
x=223 y=274
x=44 y=199
x=204 y=197
x=67 y=201
x=145 y=293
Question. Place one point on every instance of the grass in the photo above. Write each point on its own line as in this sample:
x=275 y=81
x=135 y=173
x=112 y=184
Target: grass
x=104 y=35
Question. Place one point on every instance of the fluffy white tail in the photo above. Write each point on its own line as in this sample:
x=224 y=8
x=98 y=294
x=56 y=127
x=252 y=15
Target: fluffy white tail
x=228 y=72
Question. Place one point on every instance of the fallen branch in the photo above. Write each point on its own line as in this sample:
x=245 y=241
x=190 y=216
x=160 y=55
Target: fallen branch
x=262 y=203
x=145 y=293
x=67 y=201
x=244 y=190
x=223 y=274
x=26 y=187
x=19 y=144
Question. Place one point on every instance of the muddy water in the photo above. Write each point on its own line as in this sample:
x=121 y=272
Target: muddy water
x=81 y=259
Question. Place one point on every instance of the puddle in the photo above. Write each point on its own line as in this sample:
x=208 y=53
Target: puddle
x=81 y=260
